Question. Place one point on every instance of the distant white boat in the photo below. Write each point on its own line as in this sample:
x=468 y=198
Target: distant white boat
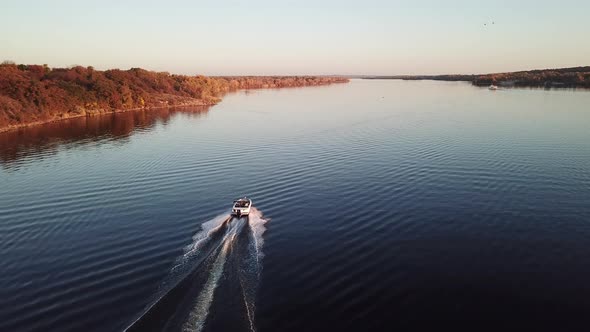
x=493 y=87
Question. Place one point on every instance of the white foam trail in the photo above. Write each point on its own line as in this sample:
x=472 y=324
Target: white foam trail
x=200 y=238
x=250 y=308
x=198 y=316
x=257 y=226
x=249 y=272
x=251 y=266
x=207 y=228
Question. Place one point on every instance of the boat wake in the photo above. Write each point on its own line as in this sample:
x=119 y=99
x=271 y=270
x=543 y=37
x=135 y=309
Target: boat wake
x=197 y=317
x=194 y=253
x=216 y=276
x=251 y=264
x=208 y=230
x=258 y=226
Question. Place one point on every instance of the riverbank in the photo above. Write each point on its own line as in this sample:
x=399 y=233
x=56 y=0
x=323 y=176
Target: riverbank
x=574 y=77
x=69 y=116
x=33 y=94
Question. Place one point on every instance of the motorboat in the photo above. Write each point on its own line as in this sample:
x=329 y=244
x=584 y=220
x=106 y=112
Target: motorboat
x=493 y=87
x=241 y=207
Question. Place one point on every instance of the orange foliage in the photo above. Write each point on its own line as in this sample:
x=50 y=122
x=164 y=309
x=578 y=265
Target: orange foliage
x=34 y=93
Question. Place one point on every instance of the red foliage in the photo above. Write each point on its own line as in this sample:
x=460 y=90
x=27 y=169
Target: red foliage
x=34 y=93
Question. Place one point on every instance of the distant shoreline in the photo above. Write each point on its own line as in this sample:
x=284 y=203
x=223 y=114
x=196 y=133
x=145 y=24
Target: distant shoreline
x=32 y=95
x=574 y=77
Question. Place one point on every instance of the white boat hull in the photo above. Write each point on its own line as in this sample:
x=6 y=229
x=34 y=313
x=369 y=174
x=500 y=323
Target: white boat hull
x=241 y=207
x=241 y=213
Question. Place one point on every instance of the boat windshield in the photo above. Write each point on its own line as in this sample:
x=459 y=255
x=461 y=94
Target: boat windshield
x=242 y=204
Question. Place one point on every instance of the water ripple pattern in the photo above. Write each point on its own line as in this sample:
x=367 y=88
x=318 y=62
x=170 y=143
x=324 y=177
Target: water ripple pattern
x=394 y=205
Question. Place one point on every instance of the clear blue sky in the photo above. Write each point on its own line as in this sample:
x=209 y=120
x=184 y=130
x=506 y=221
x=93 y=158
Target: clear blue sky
x=298 y=37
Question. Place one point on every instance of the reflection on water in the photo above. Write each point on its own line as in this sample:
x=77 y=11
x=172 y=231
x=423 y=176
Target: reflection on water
x=48 y=138
x=394 y=205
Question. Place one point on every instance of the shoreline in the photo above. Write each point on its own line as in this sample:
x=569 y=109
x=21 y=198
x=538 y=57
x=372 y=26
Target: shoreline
x=90 y=115
x=549 y=86
x=32 y=95
x=559 y=78
x=195 y=103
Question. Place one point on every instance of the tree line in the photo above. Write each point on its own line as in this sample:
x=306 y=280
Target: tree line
x=38 y=93
x=573 y=77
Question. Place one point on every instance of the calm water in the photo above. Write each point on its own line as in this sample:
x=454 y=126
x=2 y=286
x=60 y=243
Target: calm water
x=381 y=205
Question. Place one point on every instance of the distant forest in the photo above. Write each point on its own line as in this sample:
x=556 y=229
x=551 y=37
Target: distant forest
x=575 y=77
x=37 y=93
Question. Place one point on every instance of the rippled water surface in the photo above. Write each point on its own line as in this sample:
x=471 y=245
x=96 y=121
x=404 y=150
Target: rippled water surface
x=380 y=205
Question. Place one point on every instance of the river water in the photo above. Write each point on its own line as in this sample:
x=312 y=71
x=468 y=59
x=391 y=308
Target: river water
x=380 y=204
